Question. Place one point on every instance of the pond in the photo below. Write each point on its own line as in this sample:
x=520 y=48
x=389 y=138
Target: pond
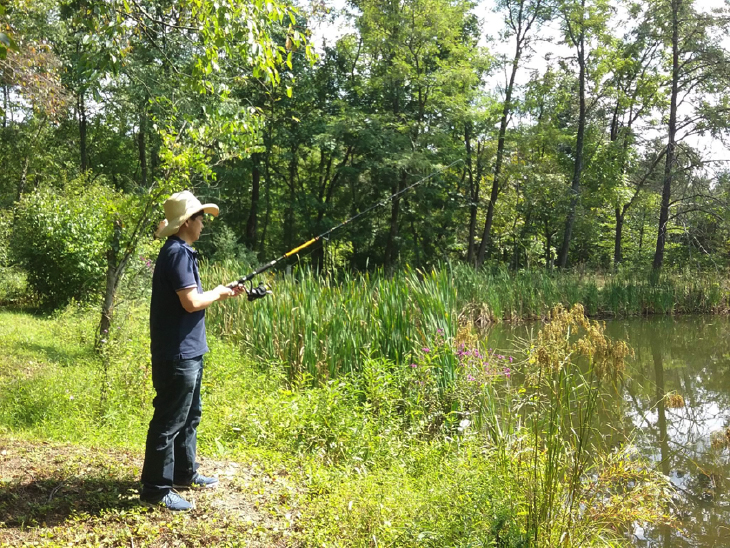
x=684 y=356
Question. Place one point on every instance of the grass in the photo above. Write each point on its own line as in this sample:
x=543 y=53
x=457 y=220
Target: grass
x=420 y=452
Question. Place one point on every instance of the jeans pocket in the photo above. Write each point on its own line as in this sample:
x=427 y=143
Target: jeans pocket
x=188 y=366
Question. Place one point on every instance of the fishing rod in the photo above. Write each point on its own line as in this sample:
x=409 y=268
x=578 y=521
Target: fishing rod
x=262 y=290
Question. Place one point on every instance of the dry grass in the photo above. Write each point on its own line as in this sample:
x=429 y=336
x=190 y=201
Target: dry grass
x=61 y=495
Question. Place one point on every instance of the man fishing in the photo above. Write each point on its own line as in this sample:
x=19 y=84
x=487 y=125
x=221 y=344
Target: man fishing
x=178 y=343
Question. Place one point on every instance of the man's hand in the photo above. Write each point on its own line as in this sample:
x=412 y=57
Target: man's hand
x=226 y=292
x=192 y=301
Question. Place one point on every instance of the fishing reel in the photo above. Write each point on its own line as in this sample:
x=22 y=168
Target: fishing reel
x=258 y=292
x=253 y=293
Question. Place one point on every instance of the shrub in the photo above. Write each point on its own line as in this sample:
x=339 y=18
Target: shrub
x=60 y=238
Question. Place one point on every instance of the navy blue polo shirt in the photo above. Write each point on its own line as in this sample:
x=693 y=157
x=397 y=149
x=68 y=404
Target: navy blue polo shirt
x=174 y=332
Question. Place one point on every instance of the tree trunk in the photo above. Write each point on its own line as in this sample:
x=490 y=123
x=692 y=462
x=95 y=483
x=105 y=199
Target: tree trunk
x=473 y=204
x=267 y=216
x=23 y=178
x=671 y=143
x=113 y=276
x=390 y=247
x=548 y=245
x=641 y=231
x=289 y=228
x=82 y=132
x=329 y=181
x=252 y=222
x=154 y=158
x=416 y=247
x=617 y=252
x=496 y=182
x=578 y=167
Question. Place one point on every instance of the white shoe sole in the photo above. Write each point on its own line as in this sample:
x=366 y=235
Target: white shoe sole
x=197 y=486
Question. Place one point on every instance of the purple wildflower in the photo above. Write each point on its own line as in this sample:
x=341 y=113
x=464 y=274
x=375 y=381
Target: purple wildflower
x=414 y=365
x=470 y=378
x=426 y=349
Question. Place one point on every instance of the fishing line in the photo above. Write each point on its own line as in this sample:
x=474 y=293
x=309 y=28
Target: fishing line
x=255 y=293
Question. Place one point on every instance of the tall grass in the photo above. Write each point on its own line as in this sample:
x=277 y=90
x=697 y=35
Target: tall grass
x=324 y=326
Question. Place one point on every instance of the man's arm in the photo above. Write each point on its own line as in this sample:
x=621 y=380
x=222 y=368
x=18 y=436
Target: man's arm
x=192 y=301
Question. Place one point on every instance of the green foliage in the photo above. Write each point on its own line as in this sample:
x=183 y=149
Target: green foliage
x=6 y=217
x=388 y=452
x=13 y=285
x=224 y=246
x=61 y=237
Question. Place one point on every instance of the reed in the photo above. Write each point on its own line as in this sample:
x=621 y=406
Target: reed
x=325 y=326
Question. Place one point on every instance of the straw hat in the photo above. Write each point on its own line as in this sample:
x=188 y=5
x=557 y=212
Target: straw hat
x=179 y=208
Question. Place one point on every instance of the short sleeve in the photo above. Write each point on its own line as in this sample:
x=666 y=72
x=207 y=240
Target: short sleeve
x=181 y=272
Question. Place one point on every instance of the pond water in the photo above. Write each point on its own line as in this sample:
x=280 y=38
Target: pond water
x=690 y=357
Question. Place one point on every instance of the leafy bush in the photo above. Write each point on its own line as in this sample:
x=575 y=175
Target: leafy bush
x=223 y=246
x=60 y=238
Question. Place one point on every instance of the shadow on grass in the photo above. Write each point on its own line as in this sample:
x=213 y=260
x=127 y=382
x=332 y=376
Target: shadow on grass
x=25 y=306
x=50 y=502
x=53 y=353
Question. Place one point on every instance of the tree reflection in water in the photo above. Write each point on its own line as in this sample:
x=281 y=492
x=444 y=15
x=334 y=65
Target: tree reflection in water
x=689 y=356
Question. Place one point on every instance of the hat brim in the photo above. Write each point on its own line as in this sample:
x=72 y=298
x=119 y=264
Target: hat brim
x=210 y=208
x=170 y=229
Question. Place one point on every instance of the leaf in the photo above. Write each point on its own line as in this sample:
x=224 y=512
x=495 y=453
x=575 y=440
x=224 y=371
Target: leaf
x=288 y=91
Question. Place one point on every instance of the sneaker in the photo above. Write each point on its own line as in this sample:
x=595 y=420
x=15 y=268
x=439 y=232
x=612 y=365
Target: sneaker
x=171 y=501
x=199 y=481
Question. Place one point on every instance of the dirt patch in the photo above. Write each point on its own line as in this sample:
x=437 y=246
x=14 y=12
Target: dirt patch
x=60 y=495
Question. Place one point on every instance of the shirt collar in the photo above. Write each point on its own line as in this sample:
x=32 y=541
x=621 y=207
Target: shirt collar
x=184 y=244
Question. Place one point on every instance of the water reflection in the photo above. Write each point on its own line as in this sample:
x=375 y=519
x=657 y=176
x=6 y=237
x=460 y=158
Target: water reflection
x=690 y=357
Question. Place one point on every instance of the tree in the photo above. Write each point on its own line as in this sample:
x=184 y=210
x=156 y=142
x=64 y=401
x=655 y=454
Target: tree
x=698 y=79
x=222 y=33
x=420 y=57
x=522 y=18
x=584 y=24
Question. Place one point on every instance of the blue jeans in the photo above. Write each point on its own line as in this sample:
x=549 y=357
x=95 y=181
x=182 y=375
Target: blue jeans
x=171 y=439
